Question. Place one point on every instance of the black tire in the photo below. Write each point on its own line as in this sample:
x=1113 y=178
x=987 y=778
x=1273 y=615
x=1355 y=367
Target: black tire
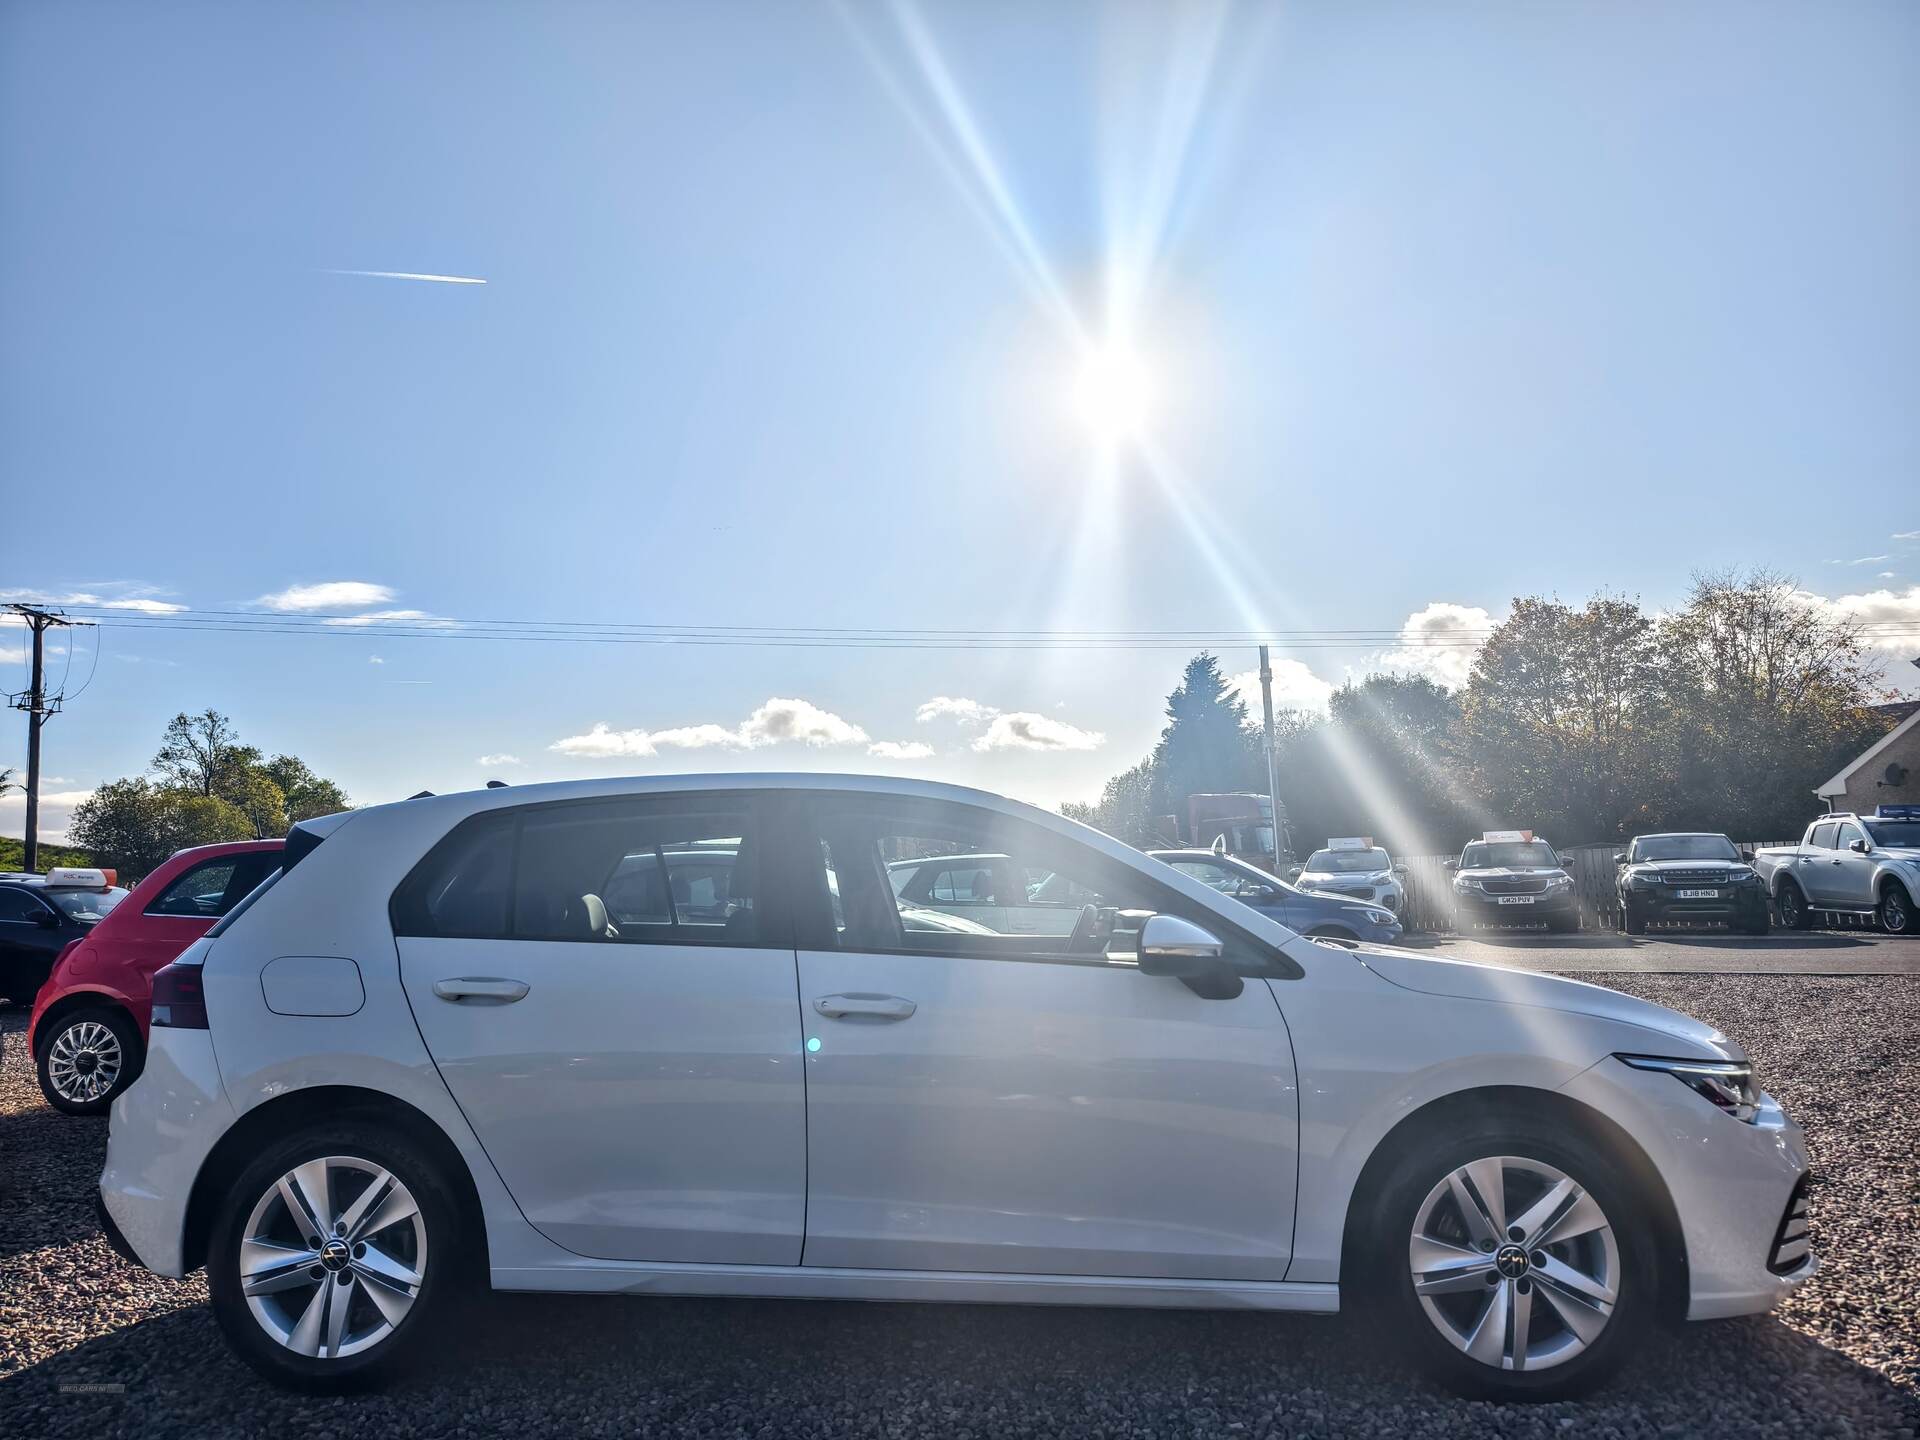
x=1386 y=1285
x=1791 y=903
x=83 y=1046
x=435 y=1305
x=1633 y=919
x=1761 y=926
x=1563 y=924
x=1896 y=909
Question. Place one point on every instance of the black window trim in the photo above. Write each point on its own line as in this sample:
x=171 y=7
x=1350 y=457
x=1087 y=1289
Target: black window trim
x=233 y=859
x=772 y=929
x=812 y=913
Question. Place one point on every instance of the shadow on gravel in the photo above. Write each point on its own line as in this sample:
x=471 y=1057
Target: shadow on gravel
x=589 y=1366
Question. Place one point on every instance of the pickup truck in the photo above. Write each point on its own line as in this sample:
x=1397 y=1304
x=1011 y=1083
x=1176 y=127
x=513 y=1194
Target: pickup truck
x=1848 y=865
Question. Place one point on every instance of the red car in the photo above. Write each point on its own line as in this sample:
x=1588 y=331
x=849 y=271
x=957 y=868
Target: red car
x=88 y=1033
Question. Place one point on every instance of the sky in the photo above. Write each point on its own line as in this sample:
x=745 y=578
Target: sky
x=941 y=320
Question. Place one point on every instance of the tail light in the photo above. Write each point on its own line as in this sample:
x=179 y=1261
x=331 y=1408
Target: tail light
x=179 y=999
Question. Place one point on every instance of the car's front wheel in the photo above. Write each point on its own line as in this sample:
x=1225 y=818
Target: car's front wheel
x=87 y=1058
x=1514 y=1264
x=334 y=1255
x=1896 y=909
x=1792 y=906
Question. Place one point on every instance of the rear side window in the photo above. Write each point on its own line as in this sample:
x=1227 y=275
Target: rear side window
x=1823 y=837
x=213 y=887
x=675 y=871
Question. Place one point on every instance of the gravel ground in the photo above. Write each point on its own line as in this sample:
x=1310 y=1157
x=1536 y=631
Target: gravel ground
x=91 y=1346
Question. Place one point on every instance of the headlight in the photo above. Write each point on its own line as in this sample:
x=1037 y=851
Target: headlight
x=1380 y=917
x=1463 y=882
x=1555 y=881
x=1637 y=881
x=1726 y=1084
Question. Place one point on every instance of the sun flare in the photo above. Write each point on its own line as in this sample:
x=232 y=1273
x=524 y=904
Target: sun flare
x=1114 y=394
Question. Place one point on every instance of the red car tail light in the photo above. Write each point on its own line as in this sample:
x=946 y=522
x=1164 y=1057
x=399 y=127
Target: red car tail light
x=179 y=1001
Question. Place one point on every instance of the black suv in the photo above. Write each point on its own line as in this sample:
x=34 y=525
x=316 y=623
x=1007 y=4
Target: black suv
x=1690 y=877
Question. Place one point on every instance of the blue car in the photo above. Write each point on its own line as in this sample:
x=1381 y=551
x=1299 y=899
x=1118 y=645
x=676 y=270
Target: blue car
x=1306 y=911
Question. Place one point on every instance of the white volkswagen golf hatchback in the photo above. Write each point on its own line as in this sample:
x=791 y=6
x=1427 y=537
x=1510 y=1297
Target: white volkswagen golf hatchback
x=683 y=1036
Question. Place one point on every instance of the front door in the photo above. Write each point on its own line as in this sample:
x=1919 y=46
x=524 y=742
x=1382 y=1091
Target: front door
x=1853 y=876
x=612 y=1004
x=1020 y=1103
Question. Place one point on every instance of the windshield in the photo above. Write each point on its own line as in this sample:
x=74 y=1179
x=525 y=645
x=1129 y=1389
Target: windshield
x=86 y=906
x=1684 y=847
x=1514 y=854
x=1894 y=832
x=1348 y=862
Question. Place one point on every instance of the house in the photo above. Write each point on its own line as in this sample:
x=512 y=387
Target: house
x=1887 y=772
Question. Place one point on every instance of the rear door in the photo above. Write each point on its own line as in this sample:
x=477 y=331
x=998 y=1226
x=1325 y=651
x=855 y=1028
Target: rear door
x=609 y=992
x=1819 y=866
x=1027 y=1104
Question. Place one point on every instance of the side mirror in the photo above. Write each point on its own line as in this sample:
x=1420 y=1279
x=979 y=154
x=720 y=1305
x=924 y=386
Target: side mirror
x=1183 y=950
x=1620 y=858
x=1746 y=855
x=1449 y=864
x=46 y=920
x=1858 y=847
x=1399 y=867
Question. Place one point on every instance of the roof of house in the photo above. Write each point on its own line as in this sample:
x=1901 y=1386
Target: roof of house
x=1838 y=784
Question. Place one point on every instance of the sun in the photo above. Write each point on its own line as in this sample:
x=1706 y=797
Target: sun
x=1114 y=394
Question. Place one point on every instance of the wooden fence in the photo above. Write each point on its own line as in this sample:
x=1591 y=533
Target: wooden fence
x=1430 y=887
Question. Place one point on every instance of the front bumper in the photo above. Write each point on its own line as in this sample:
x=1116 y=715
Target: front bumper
x=1732 y=1184
x=1735 y=905
x=1477 y=908
x=164 y=1126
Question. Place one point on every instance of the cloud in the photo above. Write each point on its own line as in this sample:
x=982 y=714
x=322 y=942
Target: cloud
x=1440 y=641
x=967 y=712
x=56 y=812
x=376 y=660
x=140 y=598
x=391 y=617
x=1864 y=560
x=1886 y=575
x=492 y=760
x=779 y=721
x=1906 y=535
x=327 y=595
x=1895 y=616
x=900 y=749
x=1024 y=730
x=12 y=654
x=1295 y=687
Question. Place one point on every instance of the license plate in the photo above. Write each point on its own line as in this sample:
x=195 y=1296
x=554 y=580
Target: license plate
x=1516 y=899
x=1699 y=894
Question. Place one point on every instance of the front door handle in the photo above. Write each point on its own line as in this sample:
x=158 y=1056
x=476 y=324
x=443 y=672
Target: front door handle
x=867 y=1007
x=486 y=989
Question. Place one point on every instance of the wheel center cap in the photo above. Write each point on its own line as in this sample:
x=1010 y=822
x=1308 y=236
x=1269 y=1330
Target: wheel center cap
x=85 y=1062
x=1511 y=1261
x=336 y=1256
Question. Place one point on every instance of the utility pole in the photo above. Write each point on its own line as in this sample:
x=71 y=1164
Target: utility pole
x=38 y=706
x=1273 y=768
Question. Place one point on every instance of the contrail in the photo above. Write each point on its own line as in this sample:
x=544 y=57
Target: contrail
x=409 y=275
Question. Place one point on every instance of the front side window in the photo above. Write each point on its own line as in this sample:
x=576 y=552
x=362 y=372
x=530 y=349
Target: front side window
x=1051 y=898
x=20 y=908
x=1848 y=834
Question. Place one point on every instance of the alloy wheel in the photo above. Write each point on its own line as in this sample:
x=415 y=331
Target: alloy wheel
x=84 y=1061
x=333 y=1256
x=1515 y=1263
x=1895 y=915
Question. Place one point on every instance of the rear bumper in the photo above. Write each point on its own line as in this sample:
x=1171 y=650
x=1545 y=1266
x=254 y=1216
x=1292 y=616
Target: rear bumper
x=164 y=1126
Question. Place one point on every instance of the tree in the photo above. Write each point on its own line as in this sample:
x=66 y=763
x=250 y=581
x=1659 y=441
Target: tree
x=1130 y=808
x=1564 y=717
x=1769 y=694
x=7 y=782
x=133 y=825
x=255 y=796
x=307 y=795
x=198 y=751
x=1206 y=747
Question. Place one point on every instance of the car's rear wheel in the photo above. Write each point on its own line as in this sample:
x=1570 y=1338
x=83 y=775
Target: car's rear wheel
x=87 y=1058
x=334 y=1256
x=1792 y=905
x=1513 y=1263
x=1896 y=909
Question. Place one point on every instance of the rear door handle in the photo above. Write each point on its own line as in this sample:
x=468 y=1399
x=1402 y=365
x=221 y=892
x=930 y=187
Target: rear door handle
x=487 y=989
x=869 y=1007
